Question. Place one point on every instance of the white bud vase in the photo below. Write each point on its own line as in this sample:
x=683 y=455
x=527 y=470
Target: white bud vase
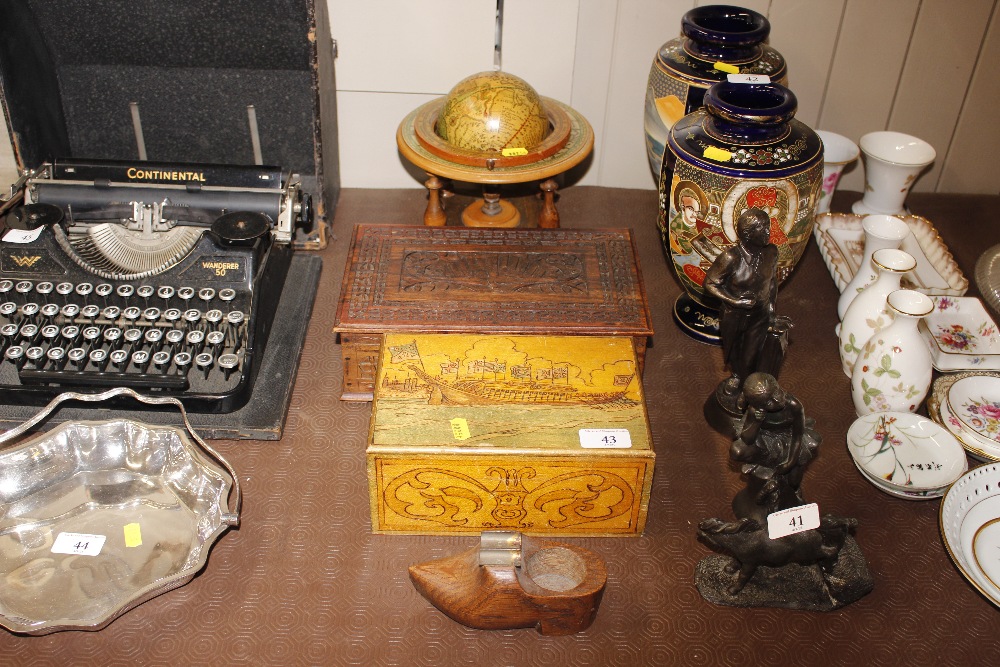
x=893 y=371
x=881 y=231
x=868 y=313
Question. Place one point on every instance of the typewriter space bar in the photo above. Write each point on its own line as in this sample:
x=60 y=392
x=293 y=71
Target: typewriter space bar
x=92 y=378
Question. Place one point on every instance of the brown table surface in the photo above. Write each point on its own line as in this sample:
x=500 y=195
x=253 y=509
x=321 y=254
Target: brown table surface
x=303 y=580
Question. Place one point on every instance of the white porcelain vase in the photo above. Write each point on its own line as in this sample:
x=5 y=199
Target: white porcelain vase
x=868 y=314
x=838 y=152
x=893 y=371
x=893 y=161
x=881 y=231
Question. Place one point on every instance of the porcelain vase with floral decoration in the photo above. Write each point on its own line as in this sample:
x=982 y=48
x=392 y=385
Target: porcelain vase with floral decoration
x=881 y=231
x=868 y=313
x=893 y=371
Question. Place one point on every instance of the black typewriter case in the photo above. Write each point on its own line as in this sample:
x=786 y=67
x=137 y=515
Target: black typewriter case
x=69 y=72
x=72 y=75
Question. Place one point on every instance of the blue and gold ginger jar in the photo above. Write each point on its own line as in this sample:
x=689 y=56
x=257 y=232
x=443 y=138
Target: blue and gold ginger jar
x=743 y=150
x=716 y=40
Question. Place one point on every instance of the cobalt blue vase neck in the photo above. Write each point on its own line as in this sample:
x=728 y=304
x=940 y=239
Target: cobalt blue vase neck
x=724 y=32
x=749 y=113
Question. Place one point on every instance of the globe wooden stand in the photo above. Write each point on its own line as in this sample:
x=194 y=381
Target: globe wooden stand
x=568 y=143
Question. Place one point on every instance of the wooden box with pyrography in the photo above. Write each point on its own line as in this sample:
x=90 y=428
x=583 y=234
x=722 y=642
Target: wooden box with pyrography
x=539 y=434
x=580 y=282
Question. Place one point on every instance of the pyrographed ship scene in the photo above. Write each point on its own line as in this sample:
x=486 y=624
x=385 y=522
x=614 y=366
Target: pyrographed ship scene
x=505 y=388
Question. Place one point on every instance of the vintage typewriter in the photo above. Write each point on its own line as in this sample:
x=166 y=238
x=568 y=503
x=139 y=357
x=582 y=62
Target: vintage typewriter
x=160 y=277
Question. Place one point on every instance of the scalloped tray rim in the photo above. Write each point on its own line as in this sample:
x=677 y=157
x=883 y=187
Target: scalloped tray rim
x=924 y=232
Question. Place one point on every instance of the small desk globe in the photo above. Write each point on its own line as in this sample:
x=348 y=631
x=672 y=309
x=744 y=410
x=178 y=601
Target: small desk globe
x=492 y=112
x=493 y=129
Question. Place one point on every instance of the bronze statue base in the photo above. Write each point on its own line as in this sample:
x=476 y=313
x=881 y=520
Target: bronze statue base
x=790 y=586
x=726 y=422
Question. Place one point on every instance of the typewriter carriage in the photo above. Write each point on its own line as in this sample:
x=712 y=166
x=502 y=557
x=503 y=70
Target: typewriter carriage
x=110 y=80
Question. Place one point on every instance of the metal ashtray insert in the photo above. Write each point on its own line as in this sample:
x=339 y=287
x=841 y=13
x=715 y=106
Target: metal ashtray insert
x=98 y=517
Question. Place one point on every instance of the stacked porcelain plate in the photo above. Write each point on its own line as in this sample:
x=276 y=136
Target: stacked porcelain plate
x=906 y=455
x=968 y=405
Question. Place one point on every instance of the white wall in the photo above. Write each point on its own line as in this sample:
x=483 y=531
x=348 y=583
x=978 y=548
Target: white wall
x=917 y=66
x=925 y=67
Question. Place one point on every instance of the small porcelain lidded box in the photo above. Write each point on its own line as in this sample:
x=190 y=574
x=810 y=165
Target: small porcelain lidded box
x=961 y=335
x=540 y=434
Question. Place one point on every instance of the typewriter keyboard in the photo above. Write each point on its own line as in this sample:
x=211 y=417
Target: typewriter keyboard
x=147 y=336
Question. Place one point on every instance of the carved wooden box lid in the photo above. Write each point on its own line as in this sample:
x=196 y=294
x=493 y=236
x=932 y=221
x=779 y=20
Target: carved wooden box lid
x=405 y=278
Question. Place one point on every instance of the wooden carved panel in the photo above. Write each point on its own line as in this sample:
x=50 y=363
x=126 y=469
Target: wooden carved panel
x=512 y=280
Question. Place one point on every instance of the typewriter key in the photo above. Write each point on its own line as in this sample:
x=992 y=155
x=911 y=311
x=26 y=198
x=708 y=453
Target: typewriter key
x=140 y=358
x=70 y=331
x=204 y=361
x=6 y=286
x=215 y=337
x=206 y=294
x=151 y=314
x=70 y=310
x=131 y=313
x=195 y=337
x=55 y=353
x=90 y=334
x=214 y=316
x=14 y=352
x=228 y=362
x=44 y=287
x=64 y=288
x=29 y=331
x=84 y=289
x=144 y=291
x=50 y=331
x=153 y=335
x=50 y=310
x=182 y=360
x=227 y=294
x=76 y=355
x=112 y=334
x=23 y=287
x=186 y=293
x=125 y=291
x=171 y=314
x=192 y=315
x=132 y=335
x=8 y=308
x=118 y=357
x=161 y=358
x=111 y=313
x=90 y=311
x=29 y=309
x=235 y=317
x=165 y=292
x=34 y=353
x=98 y=356
x=104 y=289
x=174 y=336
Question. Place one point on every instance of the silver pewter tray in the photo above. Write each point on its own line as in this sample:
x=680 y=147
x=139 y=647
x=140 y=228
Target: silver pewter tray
x=98 y=517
